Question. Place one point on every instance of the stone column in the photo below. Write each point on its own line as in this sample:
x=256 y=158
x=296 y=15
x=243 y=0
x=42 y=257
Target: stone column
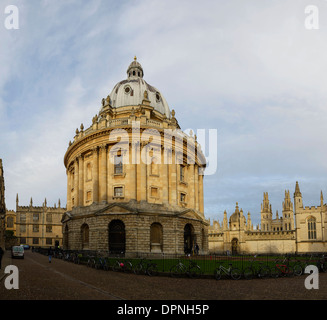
x=191 y=186
x=80 y=180
x=132 y=173
x=69 y=190
x=196 y=187
x=103 y=173
x=201 y=202
x=76 y=183
x=95 y=175
x=165 y=176
x=172 y=179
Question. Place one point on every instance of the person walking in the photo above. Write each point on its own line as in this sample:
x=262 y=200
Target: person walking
x=1 y=255
x=50 y=254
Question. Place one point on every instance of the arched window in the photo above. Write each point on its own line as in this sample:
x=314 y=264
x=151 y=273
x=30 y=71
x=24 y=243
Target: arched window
x=65 y=238
x=156 y=237
x=88 y=172
x=117 y=237
x=85 y=236
x=10 y=222
x=312 y=234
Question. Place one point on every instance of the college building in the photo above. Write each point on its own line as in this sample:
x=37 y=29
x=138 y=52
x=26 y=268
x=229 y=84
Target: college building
x=299 y=229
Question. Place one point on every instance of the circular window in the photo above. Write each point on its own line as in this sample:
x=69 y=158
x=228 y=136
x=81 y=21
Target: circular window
x=127 y=89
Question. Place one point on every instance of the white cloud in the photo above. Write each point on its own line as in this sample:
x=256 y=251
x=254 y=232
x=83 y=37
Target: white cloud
x=249 y=69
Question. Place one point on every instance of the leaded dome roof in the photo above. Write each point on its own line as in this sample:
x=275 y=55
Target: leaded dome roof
x=134 y=90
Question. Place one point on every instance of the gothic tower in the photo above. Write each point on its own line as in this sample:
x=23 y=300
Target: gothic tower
x=266 y=213
x=297 y=198
x=288 y=215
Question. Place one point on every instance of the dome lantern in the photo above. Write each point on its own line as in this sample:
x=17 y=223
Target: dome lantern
x=135 y=70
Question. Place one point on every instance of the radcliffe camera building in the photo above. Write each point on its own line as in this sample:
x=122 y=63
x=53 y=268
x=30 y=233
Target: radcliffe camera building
x=134 y=180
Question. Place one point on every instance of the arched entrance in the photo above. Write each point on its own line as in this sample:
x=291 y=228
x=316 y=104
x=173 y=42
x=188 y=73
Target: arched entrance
x=234 y=246
x=65 y=238
x=117 y=238
x=85 y=236
x=189 y=238
x=156 y=237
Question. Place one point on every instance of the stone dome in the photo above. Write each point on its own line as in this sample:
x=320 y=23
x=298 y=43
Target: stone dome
x=235 y=217
x=134 y=90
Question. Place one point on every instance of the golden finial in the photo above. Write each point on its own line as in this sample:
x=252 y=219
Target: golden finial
x=135 y=58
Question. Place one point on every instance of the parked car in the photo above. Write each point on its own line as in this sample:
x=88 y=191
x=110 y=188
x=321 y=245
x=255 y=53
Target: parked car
x=17 y=252
x=26 y=246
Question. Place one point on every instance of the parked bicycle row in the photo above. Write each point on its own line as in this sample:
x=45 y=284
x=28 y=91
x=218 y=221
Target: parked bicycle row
x=196 y=267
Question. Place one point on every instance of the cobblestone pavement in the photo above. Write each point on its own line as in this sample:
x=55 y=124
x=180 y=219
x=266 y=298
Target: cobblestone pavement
x=61 y=280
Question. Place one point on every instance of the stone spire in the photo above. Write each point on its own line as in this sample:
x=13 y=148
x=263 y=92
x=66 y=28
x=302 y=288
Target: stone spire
x=297 y=192
x=321 y=199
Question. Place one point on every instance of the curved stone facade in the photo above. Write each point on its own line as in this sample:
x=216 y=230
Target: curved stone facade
x=135 y=166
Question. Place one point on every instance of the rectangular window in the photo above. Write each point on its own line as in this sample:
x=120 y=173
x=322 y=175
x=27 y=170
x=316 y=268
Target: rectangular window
x=22 y=228
x=22 y=217
x=154 y=192
x=48 y=229
x=36 y=217
x=182 y=173
x=118 y=192
x=118 y=165
x=35 y=240
x=49 y=217
x=22 y=240
x=183 y=197
x=48 y=241
x=36 y=228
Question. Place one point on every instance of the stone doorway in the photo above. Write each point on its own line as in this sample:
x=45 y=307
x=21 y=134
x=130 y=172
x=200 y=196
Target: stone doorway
x=235 y=246
x=189 y=238
x=117 y=237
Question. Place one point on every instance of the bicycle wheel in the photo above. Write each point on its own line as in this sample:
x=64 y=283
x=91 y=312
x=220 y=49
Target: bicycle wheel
x=152 y=270
x=176 y=271
x=194 y=272
x=236 y=274
x=276 y=272
x=248 y=273
x=264 y=272
x=218 y=274
x=289 y=271
x=297 y=269
x=128 y=267
x=116 y=266
x=138 y=269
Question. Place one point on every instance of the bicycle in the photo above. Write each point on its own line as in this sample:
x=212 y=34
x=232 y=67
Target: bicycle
x=102 y=264
x=192 y=270
x=232 y=272
x=282 y=268
x=125 y=266
x=147 y=267
x=262 y=272
x=91 y=262
x=322 y=264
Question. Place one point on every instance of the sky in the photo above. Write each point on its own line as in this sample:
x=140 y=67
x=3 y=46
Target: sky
x=252 y=70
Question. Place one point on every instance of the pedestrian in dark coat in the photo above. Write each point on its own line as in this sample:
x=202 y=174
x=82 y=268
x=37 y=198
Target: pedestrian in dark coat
x=50 y=254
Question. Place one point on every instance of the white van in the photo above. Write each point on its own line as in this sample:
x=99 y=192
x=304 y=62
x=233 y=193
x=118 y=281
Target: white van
x=17 y=252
